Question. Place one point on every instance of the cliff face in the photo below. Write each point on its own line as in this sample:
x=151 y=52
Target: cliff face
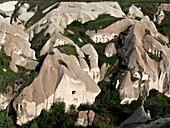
x=79 y=58
x=15 y=43
x=55 y=82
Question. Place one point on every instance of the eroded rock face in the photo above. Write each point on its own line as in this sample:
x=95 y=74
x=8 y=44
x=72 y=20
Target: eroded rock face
x=3 y=102
x=67 y=12
x=142 y=40
x=16 y=45
x=55 y=82
x=153 y=74
x=76 y=82
x=139 y=116
x=134 y=12
x=85 y=118
x=165 y=6
x=110 y=32
x=110 y=50
x=159 y=16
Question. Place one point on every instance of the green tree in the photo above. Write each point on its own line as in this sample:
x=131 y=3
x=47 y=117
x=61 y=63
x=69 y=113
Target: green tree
x=34 y=124
x=6 y=122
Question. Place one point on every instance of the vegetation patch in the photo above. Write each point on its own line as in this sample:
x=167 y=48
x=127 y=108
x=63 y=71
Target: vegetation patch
x=42 y=5
x=101 y=22
x=8 y=77
x=67 y=49
x=164 y=27
x=54 y=118
x=158 y=104
x=39 y=41
x=63 y=63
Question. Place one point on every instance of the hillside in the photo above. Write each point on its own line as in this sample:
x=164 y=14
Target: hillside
x=95 y=64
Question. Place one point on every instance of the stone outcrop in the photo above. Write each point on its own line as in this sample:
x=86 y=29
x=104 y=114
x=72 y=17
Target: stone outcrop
x=57 y=39
x=67 y=12
x=8 y=8
x=139 y=116
x=110 y=32
x=55 y=82
x=165 y=6
x=3 y=102
x=70 y=79
x=110 y=50
x=135 y=12
x=159 y=16
x=94 y=72
x=16 y=45
x=85 y=118
x=142 y=39
x=141 y=119
x=155 y=75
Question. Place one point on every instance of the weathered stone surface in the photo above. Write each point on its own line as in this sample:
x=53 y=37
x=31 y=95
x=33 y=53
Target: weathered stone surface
x=165 y=6
x=71 y=85
x=85 y=118
x=109 y=33
x=134 y=12
x=3 y=102
x=110 y=50
x=139 y=116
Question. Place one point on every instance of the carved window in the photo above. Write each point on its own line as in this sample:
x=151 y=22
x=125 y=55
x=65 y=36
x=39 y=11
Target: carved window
x=21 y=107
x=73 y=92
x=17 y=106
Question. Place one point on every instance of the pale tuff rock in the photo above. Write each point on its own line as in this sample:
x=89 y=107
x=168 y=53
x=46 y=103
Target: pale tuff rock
x=3 y=102
x=103 y=71
x=85 y=118
x=110 y=32
x=82 y=118
x=84 y=65
x=91 y=117
x=16 y=45
x=57 y=39
x=14 y=29
x=89 y=50
x=165 y=6
x=163 y=122
x=23 y=14
x=127 y=91
x=67 y=12
x=134 y=12
x=49 y=8
x=139 y=116
x=136 y=58
x=150 y=23
x=16 y=48
x=8 y=7
x=110 y=50
x=48 y=87
x=159 y=16
x=154 y=74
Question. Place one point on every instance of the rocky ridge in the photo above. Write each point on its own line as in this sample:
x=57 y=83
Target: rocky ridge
x=72 y=79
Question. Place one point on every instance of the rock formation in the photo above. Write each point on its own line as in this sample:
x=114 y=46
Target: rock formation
x=69 y=78
x=85 y=118
x=55 y=82
x=139 y=116
x=110 y=50
x=141 y=40
x=135 y=12
x=140 y=119
x=16 y=45
x=67 y=12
